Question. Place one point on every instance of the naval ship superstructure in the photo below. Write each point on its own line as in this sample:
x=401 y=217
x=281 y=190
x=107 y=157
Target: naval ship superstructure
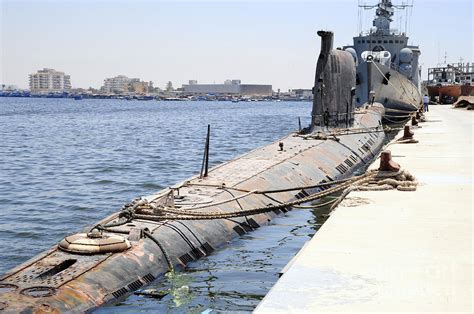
x=388 y=68
x=164 y=232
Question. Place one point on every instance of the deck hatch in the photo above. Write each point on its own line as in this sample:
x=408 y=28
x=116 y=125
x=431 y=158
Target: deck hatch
x=57 y=269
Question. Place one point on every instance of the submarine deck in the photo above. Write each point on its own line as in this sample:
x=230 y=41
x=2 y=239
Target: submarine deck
x=392 y=250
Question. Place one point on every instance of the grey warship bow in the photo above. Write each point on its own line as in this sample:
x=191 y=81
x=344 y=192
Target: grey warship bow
x=163 y=232
x=387 y=67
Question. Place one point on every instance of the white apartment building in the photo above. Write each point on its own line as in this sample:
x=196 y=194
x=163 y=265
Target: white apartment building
x=49 y=80
x=118 y=84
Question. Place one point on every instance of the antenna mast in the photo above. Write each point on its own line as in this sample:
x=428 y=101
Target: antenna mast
x=385 y=12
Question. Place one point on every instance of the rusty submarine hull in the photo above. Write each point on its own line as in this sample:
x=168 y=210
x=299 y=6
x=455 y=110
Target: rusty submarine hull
x=163 y=232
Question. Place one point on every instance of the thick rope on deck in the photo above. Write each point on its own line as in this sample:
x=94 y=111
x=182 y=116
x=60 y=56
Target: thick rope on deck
x=402 y=181
x=383 y=181
x=370 y=181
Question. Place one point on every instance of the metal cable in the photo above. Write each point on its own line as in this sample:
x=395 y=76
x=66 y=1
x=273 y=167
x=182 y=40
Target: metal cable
x=388 y=80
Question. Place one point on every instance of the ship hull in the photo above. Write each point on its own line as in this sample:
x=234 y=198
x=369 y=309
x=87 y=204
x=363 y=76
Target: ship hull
x=450 y=91
x=467 y=90
x=442 y=91
x=59 y=281
x=395 y=91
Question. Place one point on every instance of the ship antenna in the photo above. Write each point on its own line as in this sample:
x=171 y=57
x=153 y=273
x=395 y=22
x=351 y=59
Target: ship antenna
x=359 y=19
x=406 y=21
x=384 y=13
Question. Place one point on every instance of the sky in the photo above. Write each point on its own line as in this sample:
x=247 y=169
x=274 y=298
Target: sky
x=261 y=42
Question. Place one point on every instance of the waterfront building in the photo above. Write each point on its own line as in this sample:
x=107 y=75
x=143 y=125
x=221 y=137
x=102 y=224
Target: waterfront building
x=139 y=87
x=123 y=84
x=118 y=84
x=230 y=87
x=49 y=80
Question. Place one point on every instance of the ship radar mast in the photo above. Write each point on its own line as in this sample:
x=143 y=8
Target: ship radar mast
x=383 y=14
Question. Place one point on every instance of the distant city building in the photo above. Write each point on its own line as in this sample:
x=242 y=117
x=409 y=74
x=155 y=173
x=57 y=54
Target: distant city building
x=303 y=93
x=169 y=86
x=49 y=80
x=122 y=84
x=230 y=87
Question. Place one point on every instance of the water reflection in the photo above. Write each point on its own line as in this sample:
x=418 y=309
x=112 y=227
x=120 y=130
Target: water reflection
x=236 y=277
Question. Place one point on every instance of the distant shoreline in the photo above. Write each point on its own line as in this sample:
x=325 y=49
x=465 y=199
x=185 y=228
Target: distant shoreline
x=17 y=94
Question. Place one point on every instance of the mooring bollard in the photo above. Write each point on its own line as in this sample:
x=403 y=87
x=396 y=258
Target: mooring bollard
x=407 y=133
x=386 y=162
x=414 y=121
x=407 y=137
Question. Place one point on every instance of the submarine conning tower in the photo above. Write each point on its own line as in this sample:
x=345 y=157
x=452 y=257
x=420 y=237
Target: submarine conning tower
x=334 y=86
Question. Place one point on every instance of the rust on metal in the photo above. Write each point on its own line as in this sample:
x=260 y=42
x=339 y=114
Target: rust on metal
x=71 y=280
x=386 y=162
x=407 y=133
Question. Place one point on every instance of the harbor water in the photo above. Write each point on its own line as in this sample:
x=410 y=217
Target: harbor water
x=66 y=164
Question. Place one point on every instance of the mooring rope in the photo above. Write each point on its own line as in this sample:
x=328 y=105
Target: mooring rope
x=368 y=181
x=372 y=180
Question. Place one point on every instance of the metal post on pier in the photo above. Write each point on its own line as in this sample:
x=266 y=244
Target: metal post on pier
x=205 y=159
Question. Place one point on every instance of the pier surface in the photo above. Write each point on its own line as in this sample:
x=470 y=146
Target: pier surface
x=391 y=250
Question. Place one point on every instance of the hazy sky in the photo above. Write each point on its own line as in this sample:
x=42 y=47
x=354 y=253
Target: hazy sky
x=268 y=42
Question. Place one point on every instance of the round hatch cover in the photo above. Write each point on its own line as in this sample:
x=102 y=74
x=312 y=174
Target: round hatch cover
x=83 y=243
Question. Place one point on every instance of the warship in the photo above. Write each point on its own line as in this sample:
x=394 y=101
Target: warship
x=163 y=232
x=387 y=67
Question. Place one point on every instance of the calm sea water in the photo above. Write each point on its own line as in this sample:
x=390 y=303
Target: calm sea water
x=65 y=164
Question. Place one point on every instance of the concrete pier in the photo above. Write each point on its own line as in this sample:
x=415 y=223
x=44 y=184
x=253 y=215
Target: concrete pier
x=396 y=251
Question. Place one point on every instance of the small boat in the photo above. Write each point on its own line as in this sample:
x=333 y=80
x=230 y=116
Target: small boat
x=78 y=97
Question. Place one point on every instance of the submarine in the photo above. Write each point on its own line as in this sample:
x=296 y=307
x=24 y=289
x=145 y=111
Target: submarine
x=163 y=232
